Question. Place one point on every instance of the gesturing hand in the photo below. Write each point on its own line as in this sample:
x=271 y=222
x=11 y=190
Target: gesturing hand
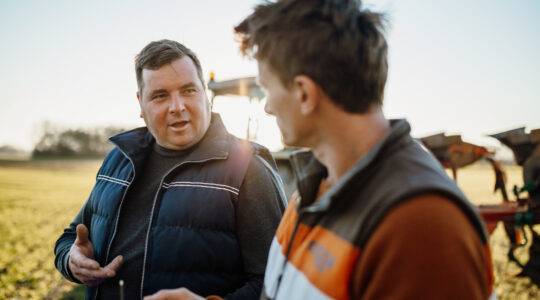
x=82 y=264
x=176 y=294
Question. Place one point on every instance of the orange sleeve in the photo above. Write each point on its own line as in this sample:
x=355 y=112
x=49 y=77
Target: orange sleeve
x=425 y=248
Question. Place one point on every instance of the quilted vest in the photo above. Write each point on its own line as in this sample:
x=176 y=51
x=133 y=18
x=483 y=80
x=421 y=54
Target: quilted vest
x=191 y=241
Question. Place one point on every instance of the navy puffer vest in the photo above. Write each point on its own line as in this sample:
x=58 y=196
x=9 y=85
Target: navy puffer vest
x=191 y=241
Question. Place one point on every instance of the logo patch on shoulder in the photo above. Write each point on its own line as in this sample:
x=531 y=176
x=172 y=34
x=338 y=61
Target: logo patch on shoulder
x=324 y=260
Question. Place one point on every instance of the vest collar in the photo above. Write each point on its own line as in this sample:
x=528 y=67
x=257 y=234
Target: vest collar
x=309 y=171
x=214 y=144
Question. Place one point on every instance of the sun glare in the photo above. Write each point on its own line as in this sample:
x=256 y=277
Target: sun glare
x=238 y=112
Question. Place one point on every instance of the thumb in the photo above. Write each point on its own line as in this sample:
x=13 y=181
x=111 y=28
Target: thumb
x=82 y=234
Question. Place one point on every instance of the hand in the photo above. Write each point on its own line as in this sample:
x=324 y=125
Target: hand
x=82 y=264
x=176 y=294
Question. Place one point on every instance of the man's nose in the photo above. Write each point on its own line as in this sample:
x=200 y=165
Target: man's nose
x=177 y=104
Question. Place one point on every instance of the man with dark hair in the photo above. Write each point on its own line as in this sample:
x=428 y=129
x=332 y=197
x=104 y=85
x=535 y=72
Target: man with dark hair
x=179 y=204
x=375 y=216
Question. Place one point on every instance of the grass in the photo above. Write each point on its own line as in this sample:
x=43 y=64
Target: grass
x=38 y=199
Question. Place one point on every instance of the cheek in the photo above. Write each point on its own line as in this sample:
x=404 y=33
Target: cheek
x=196 y=107
x=156 y=113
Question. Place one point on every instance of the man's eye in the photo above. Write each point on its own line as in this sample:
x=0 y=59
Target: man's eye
x=190 y=91
x=159 y=96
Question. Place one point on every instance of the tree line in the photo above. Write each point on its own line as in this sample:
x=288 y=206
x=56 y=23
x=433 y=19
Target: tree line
x=74 y=143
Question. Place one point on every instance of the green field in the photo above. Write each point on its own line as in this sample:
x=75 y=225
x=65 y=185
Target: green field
x=39 y=199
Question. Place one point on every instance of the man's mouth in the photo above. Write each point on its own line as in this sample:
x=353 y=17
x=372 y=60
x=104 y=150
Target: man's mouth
x=179 y=125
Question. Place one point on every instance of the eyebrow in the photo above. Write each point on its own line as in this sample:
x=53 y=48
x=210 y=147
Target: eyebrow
x=188 y=85
x=184 y=86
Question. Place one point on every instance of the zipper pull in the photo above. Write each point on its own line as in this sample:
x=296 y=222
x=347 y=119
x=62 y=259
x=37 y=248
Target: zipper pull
x=121 y=287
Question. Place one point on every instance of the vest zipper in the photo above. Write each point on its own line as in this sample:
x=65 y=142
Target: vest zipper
x=118 y=214
x=152 y=213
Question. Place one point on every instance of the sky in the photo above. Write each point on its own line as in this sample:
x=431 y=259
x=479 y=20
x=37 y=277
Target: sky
x=460 y=67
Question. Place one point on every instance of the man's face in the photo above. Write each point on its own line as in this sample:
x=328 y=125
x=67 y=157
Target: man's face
x=281 y=102
x=174 y=104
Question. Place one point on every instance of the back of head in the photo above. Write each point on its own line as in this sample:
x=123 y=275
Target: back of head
x=335 y=43
x=158 y=53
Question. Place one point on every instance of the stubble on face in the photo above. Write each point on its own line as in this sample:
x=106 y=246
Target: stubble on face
x=174 y=104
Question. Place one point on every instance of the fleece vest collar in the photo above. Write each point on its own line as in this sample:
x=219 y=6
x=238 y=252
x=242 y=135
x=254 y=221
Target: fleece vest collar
x=312 y=171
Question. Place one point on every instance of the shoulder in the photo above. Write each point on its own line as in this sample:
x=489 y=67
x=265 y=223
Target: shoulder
x=113 y=157
x=426 y=242
x=260 y=168
x=430 y=216
x=115 y=153
x=259 y=157
x=262 y=178
x=430 y=207
x=115 y=162
x=262 y=171
x=262 y=164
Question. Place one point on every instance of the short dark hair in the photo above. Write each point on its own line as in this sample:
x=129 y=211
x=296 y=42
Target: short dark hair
x=335 y=43
x=158 y=53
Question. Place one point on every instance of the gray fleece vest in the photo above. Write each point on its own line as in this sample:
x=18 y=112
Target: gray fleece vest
x=395 y=170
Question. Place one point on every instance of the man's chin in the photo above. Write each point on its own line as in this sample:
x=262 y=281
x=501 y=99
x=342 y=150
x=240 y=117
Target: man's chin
x=176 y=145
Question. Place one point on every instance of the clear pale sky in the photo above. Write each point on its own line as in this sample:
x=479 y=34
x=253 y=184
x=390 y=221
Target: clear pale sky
x=463 y=67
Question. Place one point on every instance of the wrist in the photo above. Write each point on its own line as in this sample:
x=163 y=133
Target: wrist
x=67 y=267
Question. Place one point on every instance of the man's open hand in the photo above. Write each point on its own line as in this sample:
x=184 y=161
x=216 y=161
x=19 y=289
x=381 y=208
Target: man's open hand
x=176 y=294
x=82 y=264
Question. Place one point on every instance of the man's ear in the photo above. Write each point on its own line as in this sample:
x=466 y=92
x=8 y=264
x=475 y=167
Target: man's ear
x=307 y=92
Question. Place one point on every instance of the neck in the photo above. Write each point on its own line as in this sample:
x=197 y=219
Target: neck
x=349 y=138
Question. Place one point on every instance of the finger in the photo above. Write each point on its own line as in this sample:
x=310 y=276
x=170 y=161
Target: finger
x=92 y=275
x=176 y=294
x=80 y=260
x=161 y=295
x=115 y=264
x=155 y=296
x=82 y=234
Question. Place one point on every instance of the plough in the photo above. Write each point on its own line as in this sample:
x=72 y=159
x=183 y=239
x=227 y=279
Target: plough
x=524 y=210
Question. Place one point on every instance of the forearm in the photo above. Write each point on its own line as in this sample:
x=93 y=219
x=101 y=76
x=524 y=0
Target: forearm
x=61 y=251
x=63 y=246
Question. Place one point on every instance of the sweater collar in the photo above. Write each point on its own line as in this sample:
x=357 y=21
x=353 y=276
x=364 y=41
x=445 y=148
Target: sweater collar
x=309 y=171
